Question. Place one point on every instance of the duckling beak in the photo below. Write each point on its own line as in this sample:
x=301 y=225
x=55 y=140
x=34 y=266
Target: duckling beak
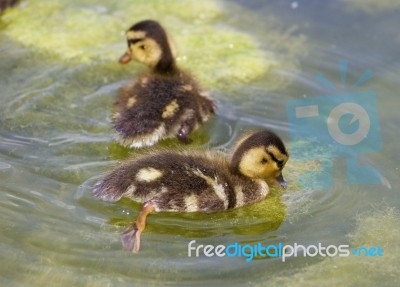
x=125 y=58
x=282 y=182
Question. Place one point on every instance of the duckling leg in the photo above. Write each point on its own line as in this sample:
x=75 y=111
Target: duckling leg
x=183 y=133
x=131 y=236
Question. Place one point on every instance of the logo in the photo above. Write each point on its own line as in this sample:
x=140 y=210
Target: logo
x=342 y=123
x=279 y=250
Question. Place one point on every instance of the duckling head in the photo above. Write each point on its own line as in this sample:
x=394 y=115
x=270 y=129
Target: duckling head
x=260 y=155
x=148 y=43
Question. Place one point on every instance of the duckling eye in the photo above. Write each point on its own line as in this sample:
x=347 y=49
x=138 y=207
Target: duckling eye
x=142 y=47
x=264 y=161
x=280 y=163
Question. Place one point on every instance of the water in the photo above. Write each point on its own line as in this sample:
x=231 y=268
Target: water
x=57 y=89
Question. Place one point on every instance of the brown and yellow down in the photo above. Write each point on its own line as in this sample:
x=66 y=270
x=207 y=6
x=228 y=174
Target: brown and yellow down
x=165 y=103
x=195 y=181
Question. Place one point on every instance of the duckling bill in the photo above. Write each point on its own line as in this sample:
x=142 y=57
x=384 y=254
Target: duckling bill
x=194 y=181
x=165 y=103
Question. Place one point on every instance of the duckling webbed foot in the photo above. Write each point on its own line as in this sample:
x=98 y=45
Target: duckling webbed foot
x=131 y=236
x=128 y=237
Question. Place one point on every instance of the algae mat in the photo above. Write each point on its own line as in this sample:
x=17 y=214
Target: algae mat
x=85 y=31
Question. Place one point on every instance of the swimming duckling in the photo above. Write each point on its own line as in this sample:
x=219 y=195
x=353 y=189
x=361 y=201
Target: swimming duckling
x=165 y=103
x=191 y=181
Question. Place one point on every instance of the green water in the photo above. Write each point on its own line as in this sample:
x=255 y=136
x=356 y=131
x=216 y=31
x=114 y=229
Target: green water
x=59 y=77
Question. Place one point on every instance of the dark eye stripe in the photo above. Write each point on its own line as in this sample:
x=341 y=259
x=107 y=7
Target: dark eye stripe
x=133 y=41
x=279 y=162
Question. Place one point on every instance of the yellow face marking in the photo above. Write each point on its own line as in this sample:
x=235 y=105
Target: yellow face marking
x=133 y=35
x=278 y=155
x=170 y=109
x=146 y=51
x=148 y=174
x=257 y=163
x=191 y=203
x=131 y=102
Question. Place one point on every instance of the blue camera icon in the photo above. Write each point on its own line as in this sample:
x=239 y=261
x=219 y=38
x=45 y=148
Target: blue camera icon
x=336 y=125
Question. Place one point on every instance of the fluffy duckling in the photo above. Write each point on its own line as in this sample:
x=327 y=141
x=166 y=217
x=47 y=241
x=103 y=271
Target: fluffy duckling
x=165 y=103
x=191 y=181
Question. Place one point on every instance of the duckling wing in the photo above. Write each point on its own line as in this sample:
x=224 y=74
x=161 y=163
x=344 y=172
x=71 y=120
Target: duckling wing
x=141 y=119
x=159 y=107
x=172 y=182
x=145 y=107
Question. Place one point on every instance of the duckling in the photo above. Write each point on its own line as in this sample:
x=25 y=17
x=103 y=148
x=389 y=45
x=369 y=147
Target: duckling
x=194 y=181
x=165 y=103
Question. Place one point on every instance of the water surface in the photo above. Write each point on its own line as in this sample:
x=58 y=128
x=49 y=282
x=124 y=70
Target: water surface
x=56 y=141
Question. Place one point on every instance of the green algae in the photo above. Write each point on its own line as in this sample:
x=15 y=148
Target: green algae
x=61 y=99
x=72 y=54
x=83 y=31
x=377 y=228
